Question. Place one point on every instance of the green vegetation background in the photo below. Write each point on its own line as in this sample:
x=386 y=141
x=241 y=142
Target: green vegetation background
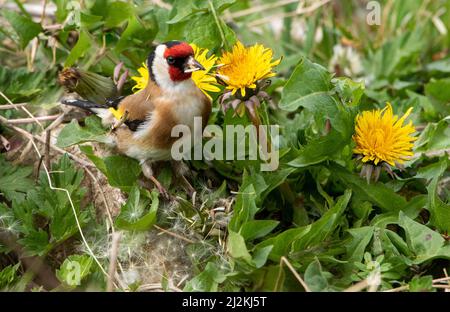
x=246 y=230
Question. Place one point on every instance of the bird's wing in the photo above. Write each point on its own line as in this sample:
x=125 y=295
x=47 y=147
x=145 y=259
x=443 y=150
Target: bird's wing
x=140 y=104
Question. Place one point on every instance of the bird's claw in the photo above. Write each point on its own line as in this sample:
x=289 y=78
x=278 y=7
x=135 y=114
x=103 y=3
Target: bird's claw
x=161 y=189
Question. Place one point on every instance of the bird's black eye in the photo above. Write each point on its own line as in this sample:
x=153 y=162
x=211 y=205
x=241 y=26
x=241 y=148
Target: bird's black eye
x=170 y=60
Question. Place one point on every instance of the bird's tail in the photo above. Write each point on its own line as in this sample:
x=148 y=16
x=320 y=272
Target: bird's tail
x=105 y=111
x=83 y=104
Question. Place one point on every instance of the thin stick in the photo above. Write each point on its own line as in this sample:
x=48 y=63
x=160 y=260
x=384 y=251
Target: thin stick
x=173 y=234
x=398 y=289
x=285 y=261
x=441 y=280
x=108 y=209
x=24 y=153
x=448 y=282
x=22 y=107
x=32 y=57
x=435 y=153
x=48 y=135
x=19 y=121
x=56 y=122
x=420 y=127
x=9 y=106
x=263 y=7
x=358 y=286
x=162 y=4
x=113 y=260
x=441 y=286
x=53 y=27
x=437 y=280
x=182 y=280
x=157 y=286
x=309 y=9
x=38 y=169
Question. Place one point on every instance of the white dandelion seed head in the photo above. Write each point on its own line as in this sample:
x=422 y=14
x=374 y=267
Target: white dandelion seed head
x=347 y=59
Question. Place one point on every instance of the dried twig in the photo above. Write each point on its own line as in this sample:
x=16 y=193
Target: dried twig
x=32 y=55
x=34 y=9
x=358 y=286
x=157 y=287
x=25 y=152
x=398 y=289
x=54 y=27
x=173 y=234
x=162 y=4
x=22 y=107
x=41 y=158
x=436 y=153
x=102 y=193
x=113 y=260
x=301 y=11
x=56 y=122
x=435 y=284
x=448 y=282
x=284 y=260
x=420 y=127
x=262 y=7
x=48 y=135
x=9 y=106
x=442 y=280
x=19 y=121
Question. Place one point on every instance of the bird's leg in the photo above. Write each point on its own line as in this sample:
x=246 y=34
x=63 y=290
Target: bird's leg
x=148 y=173
x=180 y=170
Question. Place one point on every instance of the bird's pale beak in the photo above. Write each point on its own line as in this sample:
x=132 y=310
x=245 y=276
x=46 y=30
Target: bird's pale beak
x=192 y=65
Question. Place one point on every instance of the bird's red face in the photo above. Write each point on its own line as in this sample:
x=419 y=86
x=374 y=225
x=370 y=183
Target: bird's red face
x=180 y=58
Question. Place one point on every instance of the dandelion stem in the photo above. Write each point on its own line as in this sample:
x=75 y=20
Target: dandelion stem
x=219 y=26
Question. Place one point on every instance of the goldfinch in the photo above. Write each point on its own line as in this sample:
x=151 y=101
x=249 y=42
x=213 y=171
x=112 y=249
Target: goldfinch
x=146 y=118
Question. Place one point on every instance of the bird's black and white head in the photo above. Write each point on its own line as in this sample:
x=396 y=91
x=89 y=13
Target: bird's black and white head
x=172 y=63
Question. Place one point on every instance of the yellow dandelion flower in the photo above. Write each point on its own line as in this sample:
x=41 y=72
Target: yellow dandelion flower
x=202 y=78
x=142 y=80
x=243 y=67
x=381 y=136
x=117 y=113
